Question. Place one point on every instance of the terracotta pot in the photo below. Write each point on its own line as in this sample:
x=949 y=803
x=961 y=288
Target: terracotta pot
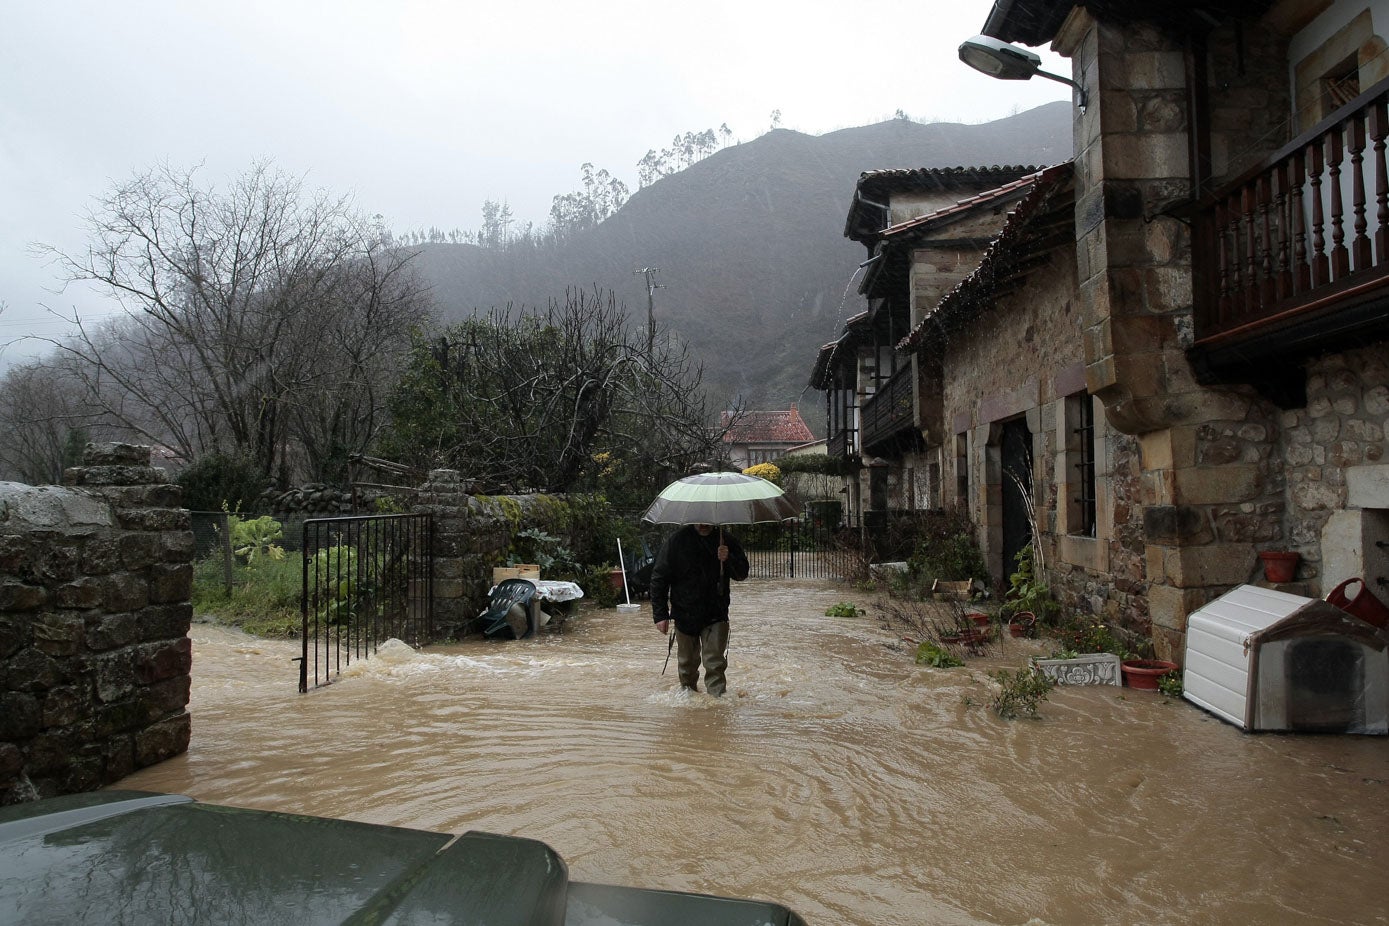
x=615 y=579
x=1144 y=673
x=1279 y=565
x=1020 y=624
x=980 y=618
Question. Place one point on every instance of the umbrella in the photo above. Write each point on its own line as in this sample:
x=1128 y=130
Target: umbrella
x=720 y=498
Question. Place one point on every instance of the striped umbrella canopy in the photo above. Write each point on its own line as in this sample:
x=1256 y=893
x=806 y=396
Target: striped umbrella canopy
x=720 y=498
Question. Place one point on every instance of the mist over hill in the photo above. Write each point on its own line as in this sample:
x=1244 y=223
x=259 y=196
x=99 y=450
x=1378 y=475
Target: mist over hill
x=754 y=269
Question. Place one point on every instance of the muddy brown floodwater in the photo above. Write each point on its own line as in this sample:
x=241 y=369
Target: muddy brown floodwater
x=836 y=777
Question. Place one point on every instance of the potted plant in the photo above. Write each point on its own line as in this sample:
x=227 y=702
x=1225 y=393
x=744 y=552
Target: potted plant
x=1145 y=674
x=1280 y=565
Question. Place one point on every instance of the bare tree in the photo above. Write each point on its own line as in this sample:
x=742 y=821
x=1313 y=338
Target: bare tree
x=257 y=316
x=45 y=420
x=550 y=400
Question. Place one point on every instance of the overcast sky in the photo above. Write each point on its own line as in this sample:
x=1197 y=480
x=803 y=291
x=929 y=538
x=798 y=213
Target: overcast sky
x=421 y=109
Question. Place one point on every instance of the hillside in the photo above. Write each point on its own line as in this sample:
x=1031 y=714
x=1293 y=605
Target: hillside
x=754 y=266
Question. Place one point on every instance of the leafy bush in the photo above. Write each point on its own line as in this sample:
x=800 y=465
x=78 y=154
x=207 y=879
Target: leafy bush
x=1020 y=692
x=844 y=609
x=219 y=482
x=598 y=589
x=950 y=559
x=936 y=656
x=768 y=471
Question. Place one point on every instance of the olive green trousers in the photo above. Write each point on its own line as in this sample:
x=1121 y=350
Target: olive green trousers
x=710 y=647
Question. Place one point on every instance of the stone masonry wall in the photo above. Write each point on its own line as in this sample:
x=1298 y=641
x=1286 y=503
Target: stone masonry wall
x=94 y=615
x=1342 y=428
x=471 y=533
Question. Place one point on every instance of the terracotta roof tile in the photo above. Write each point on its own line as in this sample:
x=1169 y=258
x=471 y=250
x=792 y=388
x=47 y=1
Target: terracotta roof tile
x=782 y=427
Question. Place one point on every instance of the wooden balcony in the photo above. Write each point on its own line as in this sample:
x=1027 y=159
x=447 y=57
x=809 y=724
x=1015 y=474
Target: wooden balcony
x=889 y=422
x=1293 y=256
x=839 y=445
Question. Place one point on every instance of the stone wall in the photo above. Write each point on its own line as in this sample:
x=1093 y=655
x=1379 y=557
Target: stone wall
x=472 y=534
x=94 y=615
x=1328 y=448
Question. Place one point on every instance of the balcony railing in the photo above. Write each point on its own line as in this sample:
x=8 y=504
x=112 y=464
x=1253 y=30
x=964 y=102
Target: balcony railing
x=889 y=412
x=839 y=445
x=1298 y=235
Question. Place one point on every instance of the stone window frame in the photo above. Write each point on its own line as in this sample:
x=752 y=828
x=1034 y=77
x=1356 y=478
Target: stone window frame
x=962 y=467
x=1080 y=464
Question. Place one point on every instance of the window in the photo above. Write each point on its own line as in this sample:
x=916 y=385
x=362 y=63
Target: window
x=1080 y=459
x=962 y=468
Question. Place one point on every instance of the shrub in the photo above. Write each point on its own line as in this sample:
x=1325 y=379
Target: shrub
x=217 y=482
x=1020 y=692
x=768 y=471
x=843 y=609
x=936 y=656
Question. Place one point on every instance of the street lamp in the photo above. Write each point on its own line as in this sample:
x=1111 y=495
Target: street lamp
x=988 y=55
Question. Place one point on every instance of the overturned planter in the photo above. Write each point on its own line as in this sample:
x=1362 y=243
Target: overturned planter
x=1085 y=669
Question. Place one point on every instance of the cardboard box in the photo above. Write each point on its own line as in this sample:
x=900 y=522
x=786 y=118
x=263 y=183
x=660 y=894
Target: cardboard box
x=518 y=571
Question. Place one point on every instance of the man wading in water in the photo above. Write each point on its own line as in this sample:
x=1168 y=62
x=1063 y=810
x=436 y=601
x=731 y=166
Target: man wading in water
x=689 y=582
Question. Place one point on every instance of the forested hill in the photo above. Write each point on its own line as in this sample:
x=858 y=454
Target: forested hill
x=749 y=241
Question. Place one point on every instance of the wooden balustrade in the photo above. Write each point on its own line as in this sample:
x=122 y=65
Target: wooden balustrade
x=1298 y=232
x=890 y=411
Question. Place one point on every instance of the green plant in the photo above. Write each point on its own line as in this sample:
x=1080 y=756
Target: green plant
x=545 y=550
x=255 y=538
x=937 y=657
x=1089 y=634
x=1171 y=684
x=1028 y=591
x=843 y=609
x=949 y=554
x=220 y=482
x=1020 y=692
x=263 y=600
x=598 y=588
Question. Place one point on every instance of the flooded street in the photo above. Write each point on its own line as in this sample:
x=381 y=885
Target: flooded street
x=836 y=777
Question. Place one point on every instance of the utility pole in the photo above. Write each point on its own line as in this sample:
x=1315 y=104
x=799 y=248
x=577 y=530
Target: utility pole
x=651 y=287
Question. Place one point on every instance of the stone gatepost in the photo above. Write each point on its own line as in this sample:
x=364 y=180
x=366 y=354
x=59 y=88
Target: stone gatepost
x=94 y=615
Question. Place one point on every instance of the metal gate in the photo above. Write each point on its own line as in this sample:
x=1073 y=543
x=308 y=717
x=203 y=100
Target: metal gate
x=366 y=580
x=804 y=549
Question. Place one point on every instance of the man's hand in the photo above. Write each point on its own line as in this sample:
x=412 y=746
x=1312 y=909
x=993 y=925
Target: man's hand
x=663 y=627
x=723 y=553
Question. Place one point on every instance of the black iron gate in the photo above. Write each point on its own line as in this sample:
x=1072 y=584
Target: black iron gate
x=806 y=549
x=366 y=580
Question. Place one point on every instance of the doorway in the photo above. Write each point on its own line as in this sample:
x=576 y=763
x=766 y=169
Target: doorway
x=1015 y=454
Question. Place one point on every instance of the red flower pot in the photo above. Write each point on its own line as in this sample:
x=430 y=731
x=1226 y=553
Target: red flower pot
x=1144 y=673
x=1020 y=624
x=979 y=617
x=1279 y=565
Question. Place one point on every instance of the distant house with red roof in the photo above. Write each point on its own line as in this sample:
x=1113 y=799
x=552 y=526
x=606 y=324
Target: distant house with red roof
x=761 y=437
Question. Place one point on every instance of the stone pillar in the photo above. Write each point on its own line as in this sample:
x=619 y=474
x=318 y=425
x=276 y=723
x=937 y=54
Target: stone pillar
x=1211 y=487
x=94 y=616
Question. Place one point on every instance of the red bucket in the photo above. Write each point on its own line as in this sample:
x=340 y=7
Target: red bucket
x=1364 y=605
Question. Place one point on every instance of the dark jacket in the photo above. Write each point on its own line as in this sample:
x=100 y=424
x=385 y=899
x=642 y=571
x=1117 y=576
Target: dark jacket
x=685 y=581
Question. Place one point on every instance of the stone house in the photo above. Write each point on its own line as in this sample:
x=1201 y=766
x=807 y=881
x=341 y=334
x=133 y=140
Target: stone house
x=1219 y=303
x=756 y=437
x=924 y=230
